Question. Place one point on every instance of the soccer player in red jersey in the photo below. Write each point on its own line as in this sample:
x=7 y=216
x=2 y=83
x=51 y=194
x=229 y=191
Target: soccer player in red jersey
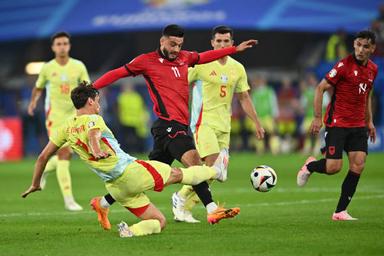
x=166 y=73
x=348 y=119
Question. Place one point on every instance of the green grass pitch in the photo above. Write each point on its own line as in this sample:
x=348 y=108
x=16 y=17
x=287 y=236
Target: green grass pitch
x=285 y=221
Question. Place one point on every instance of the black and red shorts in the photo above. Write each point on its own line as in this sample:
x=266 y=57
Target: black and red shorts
x=171 y=140
x=338 y=139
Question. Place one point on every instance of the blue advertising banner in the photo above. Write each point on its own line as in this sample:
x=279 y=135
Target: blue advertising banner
x=40 y=18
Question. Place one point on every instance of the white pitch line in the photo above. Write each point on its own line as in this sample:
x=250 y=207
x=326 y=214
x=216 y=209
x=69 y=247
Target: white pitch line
x=65 y=213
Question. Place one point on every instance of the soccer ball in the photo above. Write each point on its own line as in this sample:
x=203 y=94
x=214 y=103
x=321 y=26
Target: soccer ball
x=263 y=178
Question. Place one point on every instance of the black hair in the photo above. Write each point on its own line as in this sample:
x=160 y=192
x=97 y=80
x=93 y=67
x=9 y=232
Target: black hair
x=173 y=30
x=367 y=34
x=81 y=93
x=60 y=34
x=222 y=30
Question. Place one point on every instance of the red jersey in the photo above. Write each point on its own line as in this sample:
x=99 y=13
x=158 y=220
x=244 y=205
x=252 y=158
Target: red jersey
x=167 y=81
x=352 y=84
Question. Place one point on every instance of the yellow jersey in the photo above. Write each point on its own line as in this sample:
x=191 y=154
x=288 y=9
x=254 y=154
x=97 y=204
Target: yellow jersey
x=59 y=81
x=75 y=132
x=213 y=86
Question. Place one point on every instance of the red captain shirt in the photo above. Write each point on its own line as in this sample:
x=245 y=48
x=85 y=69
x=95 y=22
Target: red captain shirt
x=352 y=83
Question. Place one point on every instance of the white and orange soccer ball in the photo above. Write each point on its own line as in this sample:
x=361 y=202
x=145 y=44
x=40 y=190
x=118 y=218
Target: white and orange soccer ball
x=263 y=178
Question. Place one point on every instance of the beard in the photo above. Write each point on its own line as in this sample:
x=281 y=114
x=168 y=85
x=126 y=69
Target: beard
x=166 y=54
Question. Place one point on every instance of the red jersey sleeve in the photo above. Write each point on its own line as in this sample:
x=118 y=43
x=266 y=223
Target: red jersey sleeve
x=336 y=73
x=137 y=65
x=212 y=55
x=110 y=77
x=193 y=58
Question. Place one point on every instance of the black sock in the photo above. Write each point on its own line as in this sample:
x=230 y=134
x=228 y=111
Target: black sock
x=317 y=166
x=203 y=192
x=109 y=199
x=347 y=190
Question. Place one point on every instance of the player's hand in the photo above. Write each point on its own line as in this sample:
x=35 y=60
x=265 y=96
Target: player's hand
x=246 y=44
x=101 y=155
x=371 y=132
x=30 y=190
x=316 y=125
x=260 y=132
x=31 y=108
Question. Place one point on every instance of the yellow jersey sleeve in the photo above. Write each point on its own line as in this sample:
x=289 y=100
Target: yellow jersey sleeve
x=242 y=83
x=42 y=79
x=95 y=122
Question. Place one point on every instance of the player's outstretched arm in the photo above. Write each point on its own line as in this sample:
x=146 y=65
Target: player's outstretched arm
x=110 y=77
x=246 y=44
x=212 y=55
x=42 y=160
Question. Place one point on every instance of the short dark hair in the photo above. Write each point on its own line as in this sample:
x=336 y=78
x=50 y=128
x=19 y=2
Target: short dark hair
x=81 y=93
x=366 y=34
x=60 y=34
x=222 y=30
x=173 y=30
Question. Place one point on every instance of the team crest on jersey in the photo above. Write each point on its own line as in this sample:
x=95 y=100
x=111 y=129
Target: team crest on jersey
x=355 y=72
x=362 y=88
x=332 y=73
x=224 y=79
x=91 y=124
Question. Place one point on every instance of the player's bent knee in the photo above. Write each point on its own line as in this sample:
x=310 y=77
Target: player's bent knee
x=334 y=168
x=357 y=167
x=175 y=177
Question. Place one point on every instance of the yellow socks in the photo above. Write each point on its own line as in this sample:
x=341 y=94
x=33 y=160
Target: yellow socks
x=196 y=174
x=64 y=178
x=146 y=227
x=51 y=164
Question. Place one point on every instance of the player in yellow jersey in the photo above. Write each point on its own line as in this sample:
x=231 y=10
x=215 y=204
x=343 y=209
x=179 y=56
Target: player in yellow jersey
x=125 y=177
x=59 y=76
x=214 y=85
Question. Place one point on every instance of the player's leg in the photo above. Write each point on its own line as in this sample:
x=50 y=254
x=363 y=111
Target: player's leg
x=212 y=144
x=152 y=220
x=208 y=149
x=357 y=148
x=333 y=161
x=214 y=212
x=50 y=167
x=158 y=153
x=64 y=178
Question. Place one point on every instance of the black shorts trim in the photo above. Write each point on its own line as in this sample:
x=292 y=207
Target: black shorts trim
x=171 y=140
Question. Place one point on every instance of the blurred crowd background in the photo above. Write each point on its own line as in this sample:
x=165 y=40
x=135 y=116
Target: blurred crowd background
x=299 y=41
